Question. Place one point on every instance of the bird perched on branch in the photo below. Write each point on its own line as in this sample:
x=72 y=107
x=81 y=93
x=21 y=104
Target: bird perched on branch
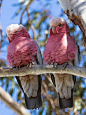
x=23 y=51
x=61 y=49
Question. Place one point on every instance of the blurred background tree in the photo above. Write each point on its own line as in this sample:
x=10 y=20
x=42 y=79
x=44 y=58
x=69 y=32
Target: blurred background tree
x=35 y=16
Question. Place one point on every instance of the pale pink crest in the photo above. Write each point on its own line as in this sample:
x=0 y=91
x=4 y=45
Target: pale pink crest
x=56 y=20
x=13 y=28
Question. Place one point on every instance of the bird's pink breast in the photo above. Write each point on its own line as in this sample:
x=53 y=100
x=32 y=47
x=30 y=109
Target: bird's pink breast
x=21 y=51
x=60 y=48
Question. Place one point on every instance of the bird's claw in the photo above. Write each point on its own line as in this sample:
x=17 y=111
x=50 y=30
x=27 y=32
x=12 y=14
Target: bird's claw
x=13 y=67
x=17 y=68
x=29 y=65
x=64 y=65
x=55 y=65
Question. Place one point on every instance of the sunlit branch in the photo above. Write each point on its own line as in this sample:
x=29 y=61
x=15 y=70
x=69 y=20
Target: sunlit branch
x=42 y=69
x=16 y=107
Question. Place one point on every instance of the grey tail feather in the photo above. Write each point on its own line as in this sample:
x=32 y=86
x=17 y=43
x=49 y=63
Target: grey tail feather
x=64 y=103
x=33 y=102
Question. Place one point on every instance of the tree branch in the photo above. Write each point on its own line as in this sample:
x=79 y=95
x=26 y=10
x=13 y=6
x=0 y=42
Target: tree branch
x=42 y=69
x=76 y=11
x=16 y=107
x=25 y=10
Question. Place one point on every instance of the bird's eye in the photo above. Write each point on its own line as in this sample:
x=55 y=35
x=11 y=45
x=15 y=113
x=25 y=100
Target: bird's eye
x=15 y=31
x=59 y=25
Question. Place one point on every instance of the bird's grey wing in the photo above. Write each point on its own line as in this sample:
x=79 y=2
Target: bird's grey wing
x=39 y=55
x=69 y=102
x=36 y=102
x=64 y=103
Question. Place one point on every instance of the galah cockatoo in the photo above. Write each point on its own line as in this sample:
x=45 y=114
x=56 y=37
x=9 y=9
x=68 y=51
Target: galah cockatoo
x=22 y=51
x=61 y=49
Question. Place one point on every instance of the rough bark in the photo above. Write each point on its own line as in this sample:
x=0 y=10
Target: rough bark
x=43 y=69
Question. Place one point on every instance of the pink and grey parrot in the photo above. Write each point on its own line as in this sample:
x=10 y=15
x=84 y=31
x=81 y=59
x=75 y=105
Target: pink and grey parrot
x=22 y=51
x=61 y=49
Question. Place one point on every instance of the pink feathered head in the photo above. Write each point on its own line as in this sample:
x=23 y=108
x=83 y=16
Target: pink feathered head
x=15 y=30
x=58 y=25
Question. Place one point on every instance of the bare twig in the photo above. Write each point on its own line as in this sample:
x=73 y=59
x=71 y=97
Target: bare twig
x=29 y=20
x=53 y=102
x=34 y=33
x=17 y=108
x=22 y=15
x=42 y=69
x=30 y=26
x=25 y=10
x=0 y=3
x=1 y=36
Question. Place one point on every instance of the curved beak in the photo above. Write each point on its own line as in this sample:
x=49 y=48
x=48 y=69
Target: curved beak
x=53 y=30
x=9 y=38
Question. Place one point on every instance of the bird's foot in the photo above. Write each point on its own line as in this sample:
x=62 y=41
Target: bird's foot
x=29 y=65
x=55 y=65
x=64 y=65
x=13 y=67
x=17 y=68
